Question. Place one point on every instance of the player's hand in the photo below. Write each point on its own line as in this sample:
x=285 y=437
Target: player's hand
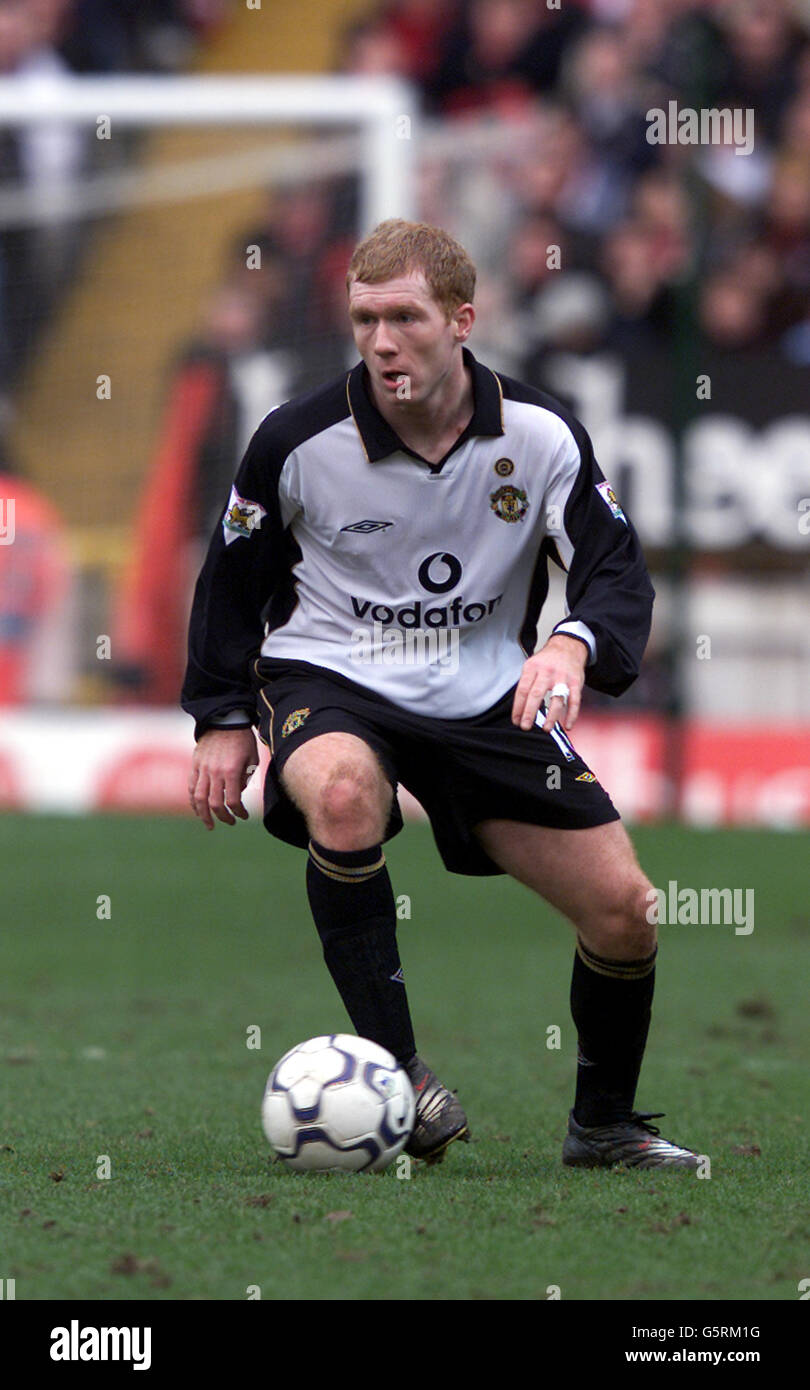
x=224 y=762
x=561 y=661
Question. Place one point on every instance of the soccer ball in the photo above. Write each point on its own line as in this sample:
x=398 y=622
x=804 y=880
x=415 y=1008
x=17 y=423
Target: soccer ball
x=338 y=1103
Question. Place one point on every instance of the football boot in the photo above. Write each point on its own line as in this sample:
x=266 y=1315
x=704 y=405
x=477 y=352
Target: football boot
x=633 y=1143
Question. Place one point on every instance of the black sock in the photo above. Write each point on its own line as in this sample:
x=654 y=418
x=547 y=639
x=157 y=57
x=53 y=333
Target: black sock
x=353 y=905
x=611 y=1001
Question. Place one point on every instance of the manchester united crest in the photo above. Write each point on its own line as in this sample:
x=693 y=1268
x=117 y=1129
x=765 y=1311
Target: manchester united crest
x=509 y=503
x=294 y=721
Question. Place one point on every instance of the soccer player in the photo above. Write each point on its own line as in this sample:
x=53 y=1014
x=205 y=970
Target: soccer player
x=370 y=599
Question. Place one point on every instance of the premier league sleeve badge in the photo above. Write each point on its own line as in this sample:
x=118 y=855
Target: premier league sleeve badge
x=242 y=517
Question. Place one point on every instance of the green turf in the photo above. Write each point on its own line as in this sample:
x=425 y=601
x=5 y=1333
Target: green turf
x=127 y=1038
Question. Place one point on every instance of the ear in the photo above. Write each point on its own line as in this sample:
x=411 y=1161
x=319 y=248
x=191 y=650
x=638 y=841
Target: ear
x=463 y=320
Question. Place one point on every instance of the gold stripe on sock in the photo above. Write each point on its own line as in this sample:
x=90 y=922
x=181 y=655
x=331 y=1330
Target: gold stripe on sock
x=358 y=873
x=616 y=969
x=341 y=878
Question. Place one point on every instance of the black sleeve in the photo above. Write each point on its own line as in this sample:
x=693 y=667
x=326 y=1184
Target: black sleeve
x=246 y=563
x=608 y=586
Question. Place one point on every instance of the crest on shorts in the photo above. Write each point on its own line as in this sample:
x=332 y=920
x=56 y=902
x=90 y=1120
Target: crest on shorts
x=609 y=497
x=294 y=721
x=242 y=517
x=509 y=503
x=504 y=467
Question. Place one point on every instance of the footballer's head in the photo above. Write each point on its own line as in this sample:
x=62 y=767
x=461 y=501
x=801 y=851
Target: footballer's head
x=410 y=290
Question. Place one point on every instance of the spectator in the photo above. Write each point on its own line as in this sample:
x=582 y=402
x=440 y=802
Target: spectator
x=637 y=281
x=570 y=314
x=764 y=51
x=660 y=203
x=304 y=227
x=37 y=597
x=603 y=88
x=370 y=48
x=133 y=35
x=223 y=387
x=500 y=55
x=419 y=27
x=732 y=312
x=43 y=161
x=537 y=252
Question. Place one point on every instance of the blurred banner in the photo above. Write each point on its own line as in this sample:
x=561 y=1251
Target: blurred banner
x=746 y=447
x=132 y=760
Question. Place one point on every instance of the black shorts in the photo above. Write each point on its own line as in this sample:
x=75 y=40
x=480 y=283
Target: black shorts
x=462 y=771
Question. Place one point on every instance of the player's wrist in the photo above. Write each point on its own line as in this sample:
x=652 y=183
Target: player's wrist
x=225 y=729
x=568 y=641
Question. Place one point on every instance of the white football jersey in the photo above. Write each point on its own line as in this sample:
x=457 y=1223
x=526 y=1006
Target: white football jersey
x=341 y=548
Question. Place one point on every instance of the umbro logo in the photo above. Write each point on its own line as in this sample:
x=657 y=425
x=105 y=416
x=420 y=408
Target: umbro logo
x=365 y=526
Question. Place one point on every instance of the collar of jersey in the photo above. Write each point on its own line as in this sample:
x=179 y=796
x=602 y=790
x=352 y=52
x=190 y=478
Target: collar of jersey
x=380 y=440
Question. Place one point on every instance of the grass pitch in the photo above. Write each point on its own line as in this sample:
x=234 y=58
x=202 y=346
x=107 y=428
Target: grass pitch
x=123 y=1050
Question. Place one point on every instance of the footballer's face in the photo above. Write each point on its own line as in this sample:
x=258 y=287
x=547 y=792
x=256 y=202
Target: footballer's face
x=410 y=348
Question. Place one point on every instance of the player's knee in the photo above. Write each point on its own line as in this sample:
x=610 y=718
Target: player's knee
x=626 y=927
x=350 y=812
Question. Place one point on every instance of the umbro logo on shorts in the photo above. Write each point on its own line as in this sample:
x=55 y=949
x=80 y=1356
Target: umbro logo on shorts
x=365 y=526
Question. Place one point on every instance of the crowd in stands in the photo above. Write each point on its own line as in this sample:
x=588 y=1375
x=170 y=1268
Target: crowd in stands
x=634 y=220
x=570 y=85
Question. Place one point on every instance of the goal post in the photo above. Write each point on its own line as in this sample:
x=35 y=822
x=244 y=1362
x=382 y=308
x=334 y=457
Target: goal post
x=384 y=109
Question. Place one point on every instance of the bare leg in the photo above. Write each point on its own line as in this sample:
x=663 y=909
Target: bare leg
x=337 y=782
x=592 y=876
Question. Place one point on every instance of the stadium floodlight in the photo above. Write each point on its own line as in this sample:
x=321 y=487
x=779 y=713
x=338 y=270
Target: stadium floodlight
x=384 y=109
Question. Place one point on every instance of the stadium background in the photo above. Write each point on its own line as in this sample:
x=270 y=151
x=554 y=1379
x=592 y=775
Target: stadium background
x=163 y=286
x=661 y=289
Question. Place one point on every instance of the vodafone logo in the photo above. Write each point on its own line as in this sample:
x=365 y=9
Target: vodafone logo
x=437 y=573
x=440 y=572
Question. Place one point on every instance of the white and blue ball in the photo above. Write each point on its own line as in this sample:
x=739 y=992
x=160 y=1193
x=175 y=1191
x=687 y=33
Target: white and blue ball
x=338 y=1103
